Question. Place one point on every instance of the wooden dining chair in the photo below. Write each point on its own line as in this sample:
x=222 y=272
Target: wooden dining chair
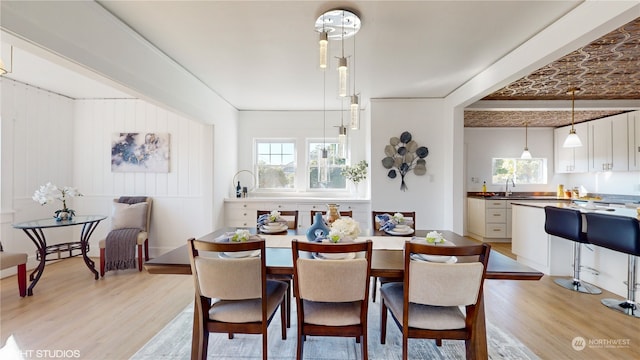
x=431 y=309
x=233 y=294
x=332 y=295
x=347 y=213
x=292 y=222
x=409 y=215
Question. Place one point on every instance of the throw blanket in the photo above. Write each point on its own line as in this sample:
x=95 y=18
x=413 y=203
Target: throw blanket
x=120 y=245
x=120 y=249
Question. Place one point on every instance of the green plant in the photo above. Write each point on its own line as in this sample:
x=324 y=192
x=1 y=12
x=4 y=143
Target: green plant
x=356 y=173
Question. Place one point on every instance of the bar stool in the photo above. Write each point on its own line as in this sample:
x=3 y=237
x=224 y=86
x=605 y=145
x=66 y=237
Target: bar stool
x=567 y=224
x=618 y=233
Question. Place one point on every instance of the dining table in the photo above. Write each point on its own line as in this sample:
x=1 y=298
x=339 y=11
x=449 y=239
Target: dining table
x=387 y=260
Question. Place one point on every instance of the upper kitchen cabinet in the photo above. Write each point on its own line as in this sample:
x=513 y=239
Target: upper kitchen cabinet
x=633 y=123
x=571 y=160
x=608 y=144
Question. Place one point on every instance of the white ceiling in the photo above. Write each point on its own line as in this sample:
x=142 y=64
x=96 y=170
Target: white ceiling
x=262 y=55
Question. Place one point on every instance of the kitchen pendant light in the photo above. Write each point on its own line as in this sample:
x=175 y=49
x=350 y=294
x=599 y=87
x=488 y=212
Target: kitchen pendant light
x=3 y=67
x=323 y=161
x=343 y=75
x=342 y=137
x=525 y=154
x=572 y=139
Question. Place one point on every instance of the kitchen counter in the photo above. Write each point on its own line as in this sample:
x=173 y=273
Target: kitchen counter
x=554 y=256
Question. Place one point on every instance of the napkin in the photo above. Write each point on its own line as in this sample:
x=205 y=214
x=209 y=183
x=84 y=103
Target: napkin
x=264 y=220
x=386 y=222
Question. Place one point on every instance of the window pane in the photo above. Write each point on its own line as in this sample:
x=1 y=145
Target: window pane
x=522 y=171
x=335 y=180
x=275 y=167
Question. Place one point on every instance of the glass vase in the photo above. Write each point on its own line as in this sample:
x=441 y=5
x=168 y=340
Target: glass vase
x=333 y=213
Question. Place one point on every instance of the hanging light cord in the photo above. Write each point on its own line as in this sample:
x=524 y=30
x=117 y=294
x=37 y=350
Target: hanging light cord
x=354 y=64
x=573 y=101
x=324 y=111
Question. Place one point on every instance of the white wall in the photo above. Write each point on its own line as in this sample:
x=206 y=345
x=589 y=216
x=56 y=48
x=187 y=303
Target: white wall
x=483 y=144
x=425 y=194
x=298 y=125
x=48 y=137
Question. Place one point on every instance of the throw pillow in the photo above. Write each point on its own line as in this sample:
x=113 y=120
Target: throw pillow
x=129 y=216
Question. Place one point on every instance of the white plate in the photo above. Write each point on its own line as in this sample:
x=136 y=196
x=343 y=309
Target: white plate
x=395 y=232
x=435 y=258
x=273 y=230
x=334 y=256
x=239 y=254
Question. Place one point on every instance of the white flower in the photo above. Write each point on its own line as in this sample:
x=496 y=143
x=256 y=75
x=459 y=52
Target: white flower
x=344 y=227
x=399 y=218
x=274 y=216
x=434 y=237
x=241 y=235
x=50 y=192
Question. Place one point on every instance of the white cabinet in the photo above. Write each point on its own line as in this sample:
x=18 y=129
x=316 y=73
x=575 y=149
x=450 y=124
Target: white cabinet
x=571 y=160
x=243 y=212
x=608 y=142
x=487 y=219
x=633 y=125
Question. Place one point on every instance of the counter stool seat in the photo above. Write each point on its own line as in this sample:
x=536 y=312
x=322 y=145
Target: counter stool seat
x=622 y=234
x=567 y=224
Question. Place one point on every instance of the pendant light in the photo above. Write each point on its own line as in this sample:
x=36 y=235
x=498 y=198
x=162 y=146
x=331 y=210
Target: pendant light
x=342 y=67
x=324 y=41
x=572 y=139
x=355 y=101
x=525 y=154
x=323 y=163
x=3 y=68
x=342 y=137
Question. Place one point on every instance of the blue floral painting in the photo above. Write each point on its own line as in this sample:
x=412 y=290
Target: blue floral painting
x=140 y=152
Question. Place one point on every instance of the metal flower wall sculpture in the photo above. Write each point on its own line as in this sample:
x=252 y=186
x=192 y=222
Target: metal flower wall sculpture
x=404 y=155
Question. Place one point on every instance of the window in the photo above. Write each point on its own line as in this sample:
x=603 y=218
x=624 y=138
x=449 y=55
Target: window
x=276 y=164
x=523 y=171
x=335 y=180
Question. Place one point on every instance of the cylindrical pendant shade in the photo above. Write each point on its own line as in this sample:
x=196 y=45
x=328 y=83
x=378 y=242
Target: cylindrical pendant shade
x=342 y=77
x=323 y=166
x=355 y=113
x=342 y=142
x=323 y=50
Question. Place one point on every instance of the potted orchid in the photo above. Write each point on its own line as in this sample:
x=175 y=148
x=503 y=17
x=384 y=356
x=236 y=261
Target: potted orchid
x=50 y=192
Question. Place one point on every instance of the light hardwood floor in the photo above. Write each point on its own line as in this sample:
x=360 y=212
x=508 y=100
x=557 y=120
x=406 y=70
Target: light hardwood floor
x=113 y=317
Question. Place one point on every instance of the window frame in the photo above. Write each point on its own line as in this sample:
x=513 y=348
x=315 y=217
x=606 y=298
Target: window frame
x=256 y=165
x=544 y=169
x=328 y=141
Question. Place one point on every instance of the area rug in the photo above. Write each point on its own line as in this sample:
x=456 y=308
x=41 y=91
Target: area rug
x=174 y=342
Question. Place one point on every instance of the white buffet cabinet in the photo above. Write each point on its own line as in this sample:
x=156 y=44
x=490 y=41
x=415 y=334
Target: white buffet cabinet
x=554 y=256
x=243 y=212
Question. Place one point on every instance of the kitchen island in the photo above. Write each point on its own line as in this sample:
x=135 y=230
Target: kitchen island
x=554 y=256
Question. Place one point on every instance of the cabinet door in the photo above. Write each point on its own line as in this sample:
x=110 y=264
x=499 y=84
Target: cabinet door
x=619 y=143
x=633 y=124
x=600 y=144
x=564 y=160
x=581 y=154
x=475 y=216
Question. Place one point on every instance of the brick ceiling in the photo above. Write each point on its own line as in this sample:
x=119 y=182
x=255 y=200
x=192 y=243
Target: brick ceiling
x=606 y=69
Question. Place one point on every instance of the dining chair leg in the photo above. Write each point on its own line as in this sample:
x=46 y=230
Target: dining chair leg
x=22 y=279
x=146 y=249
x=374 y=287
x=139 y=257
x=383 y=322
x=283 y=319
x=364 y=346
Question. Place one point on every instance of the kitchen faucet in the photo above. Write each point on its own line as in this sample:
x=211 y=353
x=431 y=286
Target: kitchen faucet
x=506 y=188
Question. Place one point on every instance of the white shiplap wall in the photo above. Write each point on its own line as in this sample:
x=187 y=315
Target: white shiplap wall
x=48 y=137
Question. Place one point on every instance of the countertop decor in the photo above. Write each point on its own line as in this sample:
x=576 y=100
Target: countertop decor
x=50 y=192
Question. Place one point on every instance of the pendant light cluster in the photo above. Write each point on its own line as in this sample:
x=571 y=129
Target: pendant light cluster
x=339 y=25
x=572 y=139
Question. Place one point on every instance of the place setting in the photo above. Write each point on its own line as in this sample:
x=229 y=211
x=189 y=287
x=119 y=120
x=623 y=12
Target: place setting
x=272 y=223
x=433 y=238
x=395 y=224
x=239 y=236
